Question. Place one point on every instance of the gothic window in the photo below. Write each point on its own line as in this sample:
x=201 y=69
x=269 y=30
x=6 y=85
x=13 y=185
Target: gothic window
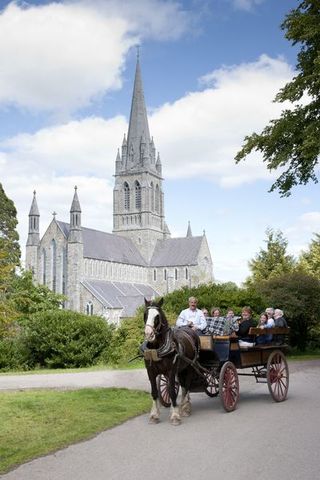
x=152 y=196
x=157 y=199
x=187 y=274
x=176 y=274
x=43 y=263
x=54 y=265
x=154 y=275
x=126 y=196
x=165 y=274
x=138 y=194
x=89 y=308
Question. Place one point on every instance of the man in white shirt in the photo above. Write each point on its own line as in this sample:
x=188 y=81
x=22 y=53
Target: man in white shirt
x=192 y=317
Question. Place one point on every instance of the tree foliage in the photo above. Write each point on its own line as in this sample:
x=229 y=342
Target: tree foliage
x=309 y=261
x=292 y=142
x=298 y=294
x=9 y=240
x=272 y=261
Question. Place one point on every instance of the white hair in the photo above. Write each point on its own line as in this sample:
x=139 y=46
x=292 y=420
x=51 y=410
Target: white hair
x=278 y=312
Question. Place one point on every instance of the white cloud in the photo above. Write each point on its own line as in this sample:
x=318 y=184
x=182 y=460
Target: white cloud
x=67 y=54
x=200 y=133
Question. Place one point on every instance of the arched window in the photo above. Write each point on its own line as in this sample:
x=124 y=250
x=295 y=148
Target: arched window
x=157 y=199
x=126 y=196
x=137 y=187
x=152 y=196
x=165 y=274
x=187 y=273
x=43 y=264
x=54 y=265
x=89 y=308
x=154 y=275
x=176 y=274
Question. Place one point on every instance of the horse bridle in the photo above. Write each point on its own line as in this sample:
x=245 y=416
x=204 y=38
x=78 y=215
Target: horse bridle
x=160 y=324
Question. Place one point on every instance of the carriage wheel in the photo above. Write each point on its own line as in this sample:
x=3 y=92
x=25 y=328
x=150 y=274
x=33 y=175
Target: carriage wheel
x=163 y=389
x=212 y=385
x=229 y=386
x=278 y=376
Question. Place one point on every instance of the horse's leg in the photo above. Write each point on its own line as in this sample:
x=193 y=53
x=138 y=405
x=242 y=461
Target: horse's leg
x=155 y=409
x=185 y=404
x=175 y=418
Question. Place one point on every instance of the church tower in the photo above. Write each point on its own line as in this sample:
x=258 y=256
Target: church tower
x=138 y=204
x=33 y=241
x=74 y=255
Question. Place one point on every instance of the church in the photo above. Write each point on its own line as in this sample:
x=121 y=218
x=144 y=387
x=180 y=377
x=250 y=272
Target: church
x=109 y=274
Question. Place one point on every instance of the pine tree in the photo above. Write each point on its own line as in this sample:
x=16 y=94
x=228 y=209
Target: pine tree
x=309 y=261
x=272 y=261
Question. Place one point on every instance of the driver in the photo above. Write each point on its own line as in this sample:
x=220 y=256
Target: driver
x=192 y=317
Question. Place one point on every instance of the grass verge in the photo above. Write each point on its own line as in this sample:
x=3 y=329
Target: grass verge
x=35 y=423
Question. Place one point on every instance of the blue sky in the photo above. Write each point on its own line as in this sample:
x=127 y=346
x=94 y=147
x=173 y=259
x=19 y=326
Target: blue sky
x=210 y=71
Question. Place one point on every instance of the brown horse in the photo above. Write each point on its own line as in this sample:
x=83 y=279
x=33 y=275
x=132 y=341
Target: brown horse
x=169 y=352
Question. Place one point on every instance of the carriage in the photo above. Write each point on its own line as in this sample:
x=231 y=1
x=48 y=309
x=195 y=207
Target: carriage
x=222 y=359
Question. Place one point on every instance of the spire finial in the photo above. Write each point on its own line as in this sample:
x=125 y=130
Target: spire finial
x=34 y=193
x=54 y=215
x=138 y=52
x=75 y=187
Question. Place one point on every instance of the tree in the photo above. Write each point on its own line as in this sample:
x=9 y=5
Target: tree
x=298 y=295
x=292 y=142
x=273 y=261
x=9 y=237
x=309 y=261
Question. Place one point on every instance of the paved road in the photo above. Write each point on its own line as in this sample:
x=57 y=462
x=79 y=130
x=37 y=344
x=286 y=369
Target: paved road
x=261 y=440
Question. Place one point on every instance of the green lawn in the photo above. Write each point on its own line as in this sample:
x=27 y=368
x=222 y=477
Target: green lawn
x=37 y=422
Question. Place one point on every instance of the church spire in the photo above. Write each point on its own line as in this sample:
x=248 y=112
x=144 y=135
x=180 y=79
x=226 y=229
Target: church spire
x=34 y=216
x=75 y=234
x=189 y=232
x=138 y=140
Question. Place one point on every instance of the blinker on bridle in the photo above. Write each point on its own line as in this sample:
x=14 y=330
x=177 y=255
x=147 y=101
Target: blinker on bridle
x=160 y=324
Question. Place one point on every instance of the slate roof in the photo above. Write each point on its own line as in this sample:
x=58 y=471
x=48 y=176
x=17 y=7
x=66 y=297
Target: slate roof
x=128 y=296
x=107 y=246
x=174 y=252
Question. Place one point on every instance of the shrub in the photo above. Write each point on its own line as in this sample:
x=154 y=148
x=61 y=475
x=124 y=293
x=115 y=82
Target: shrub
x=12 y=354
x=61 y=338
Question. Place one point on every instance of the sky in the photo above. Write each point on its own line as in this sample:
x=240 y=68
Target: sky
x=210 y=70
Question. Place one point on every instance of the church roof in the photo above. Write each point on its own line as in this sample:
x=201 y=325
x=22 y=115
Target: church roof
x=107 y=246
x=176 y=252
x=128 y=296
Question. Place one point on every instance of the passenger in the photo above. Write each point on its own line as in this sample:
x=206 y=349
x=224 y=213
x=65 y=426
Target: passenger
x=245 y=324
x=192 y=317
x=231 y=324
x=270 y=312
x=265 y=322
x=205 y=312
x=279 y=320
x=216 y=323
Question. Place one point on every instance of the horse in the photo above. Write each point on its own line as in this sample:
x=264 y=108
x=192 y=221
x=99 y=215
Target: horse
x=169 y=352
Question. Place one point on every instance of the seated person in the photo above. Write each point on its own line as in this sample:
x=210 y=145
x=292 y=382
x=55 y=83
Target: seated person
x=265 y=322
x=279 y=321
x=245 y=323
x=231 y=324
x=192 y=317
x=216 y=323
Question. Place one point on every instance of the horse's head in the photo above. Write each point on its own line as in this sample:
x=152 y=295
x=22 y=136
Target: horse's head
x=154 y=319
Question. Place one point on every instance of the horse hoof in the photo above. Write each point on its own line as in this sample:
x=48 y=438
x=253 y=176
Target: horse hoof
x=175 y=421
x=186 y=413
x=154 y=420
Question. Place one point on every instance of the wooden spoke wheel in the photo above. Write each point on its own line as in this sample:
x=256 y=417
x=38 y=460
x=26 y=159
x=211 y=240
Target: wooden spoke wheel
x=212 y=384
x=278 y=376
x=229 y=386
x=163 y=389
